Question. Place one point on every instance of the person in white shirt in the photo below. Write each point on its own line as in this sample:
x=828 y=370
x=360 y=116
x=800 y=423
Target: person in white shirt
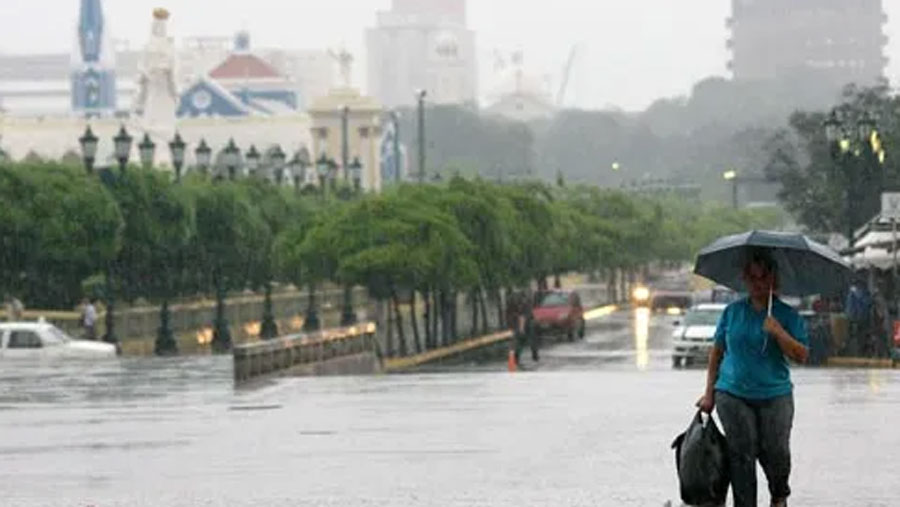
x=89 y=319
x=14 y=308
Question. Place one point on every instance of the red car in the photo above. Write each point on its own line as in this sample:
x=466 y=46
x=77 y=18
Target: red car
x=560 y=311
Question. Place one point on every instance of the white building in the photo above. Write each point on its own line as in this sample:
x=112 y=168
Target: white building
x=422 y=44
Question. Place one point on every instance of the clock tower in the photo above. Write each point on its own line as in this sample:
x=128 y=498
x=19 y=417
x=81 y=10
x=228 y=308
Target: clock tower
x=93 y=75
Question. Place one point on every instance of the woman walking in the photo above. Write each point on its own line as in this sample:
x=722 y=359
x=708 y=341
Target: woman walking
x=748 y=380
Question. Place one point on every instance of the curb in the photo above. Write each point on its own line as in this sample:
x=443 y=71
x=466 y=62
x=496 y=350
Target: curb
x=861 y=362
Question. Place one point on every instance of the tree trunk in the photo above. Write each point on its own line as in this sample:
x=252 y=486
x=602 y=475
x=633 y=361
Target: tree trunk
x=426 y=299
x=556 y=281
x=401 y=336
x=498 y=300
x=454 y=315
x=473 y=299
x=482 y=299
x=414 y=320
x=435 y=317
x=445 y=321
x=390 y=330
x=611 y=286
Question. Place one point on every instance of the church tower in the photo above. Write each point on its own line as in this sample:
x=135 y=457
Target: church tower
x=93 y=64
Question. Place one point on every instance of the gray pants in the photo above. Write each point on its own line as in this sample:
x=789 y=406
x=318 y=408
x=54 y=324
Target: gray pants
x=757 y=429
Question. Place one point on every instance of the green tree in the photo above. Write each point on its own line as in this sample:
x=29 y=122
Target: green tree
x=58 y=227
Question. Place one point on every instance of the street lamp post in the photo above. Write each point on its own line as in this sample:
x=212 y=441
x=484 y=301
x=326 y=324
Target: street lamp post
x=88 y=143
x=731 y=176
x=231 y=158
x=322 y=169
x=252 y=158
x=420 y=98
x=177 y=148
x=356 y=173
x=122 y=145
x=298 y=167
x=847 y=145
x=203 y=154
x=277 y=158
x=147 y=151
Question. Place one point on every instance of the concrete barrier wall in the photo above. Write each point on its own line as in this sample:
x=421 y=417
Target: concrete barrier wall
x=192 y=322
x=308 y=353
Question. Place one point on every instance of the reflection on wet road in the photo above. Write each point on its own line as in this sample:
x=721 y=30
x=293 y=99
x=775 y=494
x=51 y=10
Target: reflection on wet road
x=589 y=427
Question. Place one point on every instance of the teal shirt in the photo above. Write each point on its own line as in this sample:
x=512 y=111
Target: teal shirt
x=754 y=366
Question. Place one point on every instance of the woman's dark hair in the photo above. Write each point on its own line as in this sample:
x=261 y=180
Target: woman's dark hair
x=761 y=257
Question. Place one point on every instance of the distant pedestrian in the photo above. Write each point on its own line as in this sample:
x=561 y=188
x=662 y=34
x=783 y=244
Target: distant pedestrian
x=858 y=308
x=89 y=319
x=521 y=321
x=15 y=310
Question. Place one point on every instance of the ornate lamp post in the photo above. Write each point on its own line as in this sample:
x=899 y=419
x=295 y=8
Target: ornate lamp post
x=147 y=151
x=122 y=145
x=177 y=148
x=299 y=164
x=231 y=158
x=252 y=159
x=277 y=158
x=203 y=154
x=356 y=173
x=322 y=169
x=850 y=143
x=88 y=142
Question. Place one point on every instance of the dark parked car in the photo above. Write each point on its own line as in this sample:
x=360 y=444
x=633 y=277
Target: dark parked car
x=671 y=301
x=560 y=311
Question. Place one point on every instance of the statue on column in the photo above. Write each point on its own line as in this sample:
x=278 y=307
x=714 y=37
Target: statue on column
x=157 y=99
x=344 y=60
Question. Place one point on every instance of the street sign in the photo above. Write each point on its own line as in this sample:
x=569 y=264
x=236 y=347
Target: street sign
x=890 y=205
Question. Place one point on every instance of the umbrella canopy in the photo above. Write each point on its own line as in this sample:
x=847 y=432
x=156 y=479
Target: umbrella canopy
x=804 y=266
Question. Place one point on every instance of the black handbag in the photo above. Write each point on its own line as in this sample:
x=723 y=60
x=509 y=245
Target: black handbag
x=701 y=458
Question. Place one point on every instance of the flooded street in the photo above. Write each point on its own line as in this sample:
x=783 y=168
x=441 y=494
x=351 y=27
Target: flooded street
x=591 y=426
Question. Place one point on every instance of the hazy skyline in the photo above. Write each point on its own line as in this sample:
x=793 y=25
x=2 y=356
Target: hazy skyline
x=632 y=53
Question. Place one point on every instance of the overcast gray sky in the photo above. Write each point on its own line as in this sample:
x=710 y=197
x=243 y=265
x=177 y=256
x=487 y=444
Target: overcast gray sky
x=632 y=51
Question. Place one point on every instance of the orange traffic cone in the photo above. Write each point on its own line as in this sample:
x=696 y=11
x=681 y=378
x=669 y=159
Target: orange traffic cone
x=511 y=361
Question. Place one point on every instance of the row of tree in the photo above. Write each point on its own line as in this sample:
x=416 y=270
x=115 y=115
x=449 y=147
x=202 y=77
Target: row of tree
x=137 y=234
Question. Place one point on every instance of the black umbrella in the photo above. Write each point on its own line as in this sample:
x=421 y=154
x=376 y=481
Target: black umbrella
x=804 y=266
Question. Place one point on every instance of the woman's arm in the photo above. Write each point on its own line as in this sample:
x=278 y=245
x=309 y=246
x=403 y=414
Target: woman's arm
x=789 y=346
x=708 y=400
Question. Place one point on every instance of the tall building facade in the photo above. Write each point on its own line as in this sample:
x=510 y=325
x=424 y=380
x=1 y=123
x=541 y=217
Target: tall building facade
x=422 y=44
x=813 y=42
x=93 y=75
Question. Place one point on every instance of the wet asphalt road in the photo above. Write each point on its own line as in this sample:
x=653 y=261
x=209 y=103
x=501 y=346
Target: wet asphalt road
x=589 y=426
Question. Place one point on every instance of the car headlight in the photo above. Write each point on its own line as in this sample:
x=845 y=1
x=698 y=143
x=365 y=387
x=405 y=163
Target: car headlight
x=641 y=293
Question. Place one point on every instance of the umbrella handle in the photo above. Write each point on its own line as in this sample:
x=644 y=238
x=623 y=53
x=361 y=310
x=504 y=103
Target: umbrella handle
x=765 y=335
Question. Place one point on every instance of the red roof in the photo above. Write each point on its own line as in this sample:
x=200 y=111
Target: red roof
x=242 y=66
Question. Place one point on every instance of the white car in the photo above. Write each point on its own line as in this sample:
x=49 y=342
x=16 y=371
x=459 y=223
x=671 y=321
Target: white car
x=693 y=335
x=27 y=340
